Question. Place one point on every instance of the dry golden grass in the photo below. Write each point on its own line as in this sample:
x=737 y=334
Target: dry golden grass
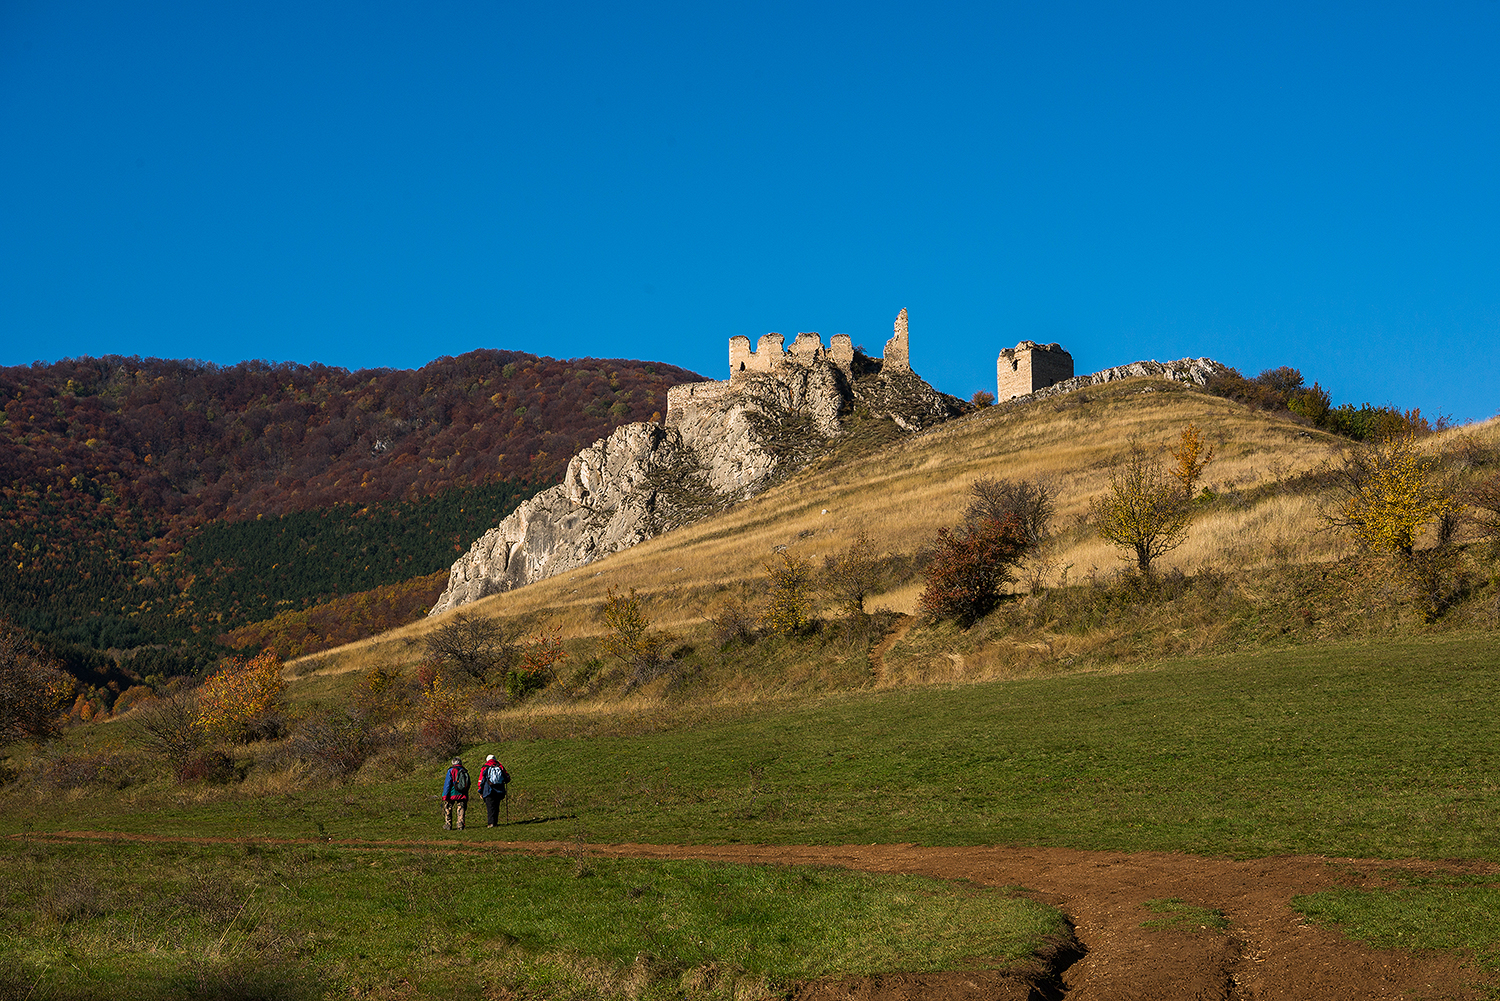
x=902 y=493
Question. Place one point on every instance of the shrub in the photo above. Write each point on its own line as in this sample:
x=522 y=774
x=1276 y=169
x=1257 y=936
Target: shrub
x=850 y=575
x=334 y=741
x=732 y=622
x=631 y=640
x=170 y=726
x=241 y=701
x=969 y=565
x=1030 y=504
x=440 y=706
x=1192 y=453
x=537 y=669
x=33 y=691
x=982 y=398
x=78 y=771
x=790 y=594
x=1388 y=494
x=471 y=646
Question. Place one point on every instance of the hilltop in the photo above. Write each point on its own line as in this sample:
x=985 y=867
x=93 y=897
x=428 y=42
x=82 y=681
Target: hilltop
x=134 y=488
x=1258 y=543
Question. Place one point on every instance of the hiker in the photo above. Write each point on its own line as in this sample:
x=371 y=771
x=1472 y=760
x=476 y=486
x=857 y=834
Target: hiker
x=455 y=795
x=492 y=779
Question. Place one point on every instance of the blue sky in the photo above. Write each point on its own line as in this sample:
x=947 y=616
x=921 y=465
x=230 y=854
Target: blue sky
x=378 y=184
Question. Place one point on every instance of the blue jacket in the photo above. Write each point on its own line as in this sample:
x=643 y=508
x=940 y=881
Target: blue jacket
x=496 y=789
x=451 y=790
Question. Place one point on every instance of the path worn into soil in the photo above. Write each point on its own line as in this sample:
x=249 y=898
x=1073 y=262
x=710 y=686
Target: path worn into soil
x=1268 y=953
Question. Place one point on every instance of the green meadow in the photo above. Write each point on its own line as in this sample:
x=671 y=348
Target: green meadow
x=1371 y=749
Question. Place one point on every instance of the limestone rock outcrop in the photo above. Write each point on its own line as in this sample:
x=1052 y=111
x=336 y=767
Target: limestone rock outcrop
x=721 y=442
x=1195 y=371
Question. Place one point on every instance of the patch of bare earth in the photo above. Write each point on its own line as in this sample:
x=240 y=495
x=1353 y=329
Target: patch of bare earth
x=1267 y=953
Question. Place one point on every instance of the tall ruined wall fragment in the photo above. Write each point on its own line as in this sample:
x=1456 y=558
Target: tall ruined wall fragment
x=897 y=356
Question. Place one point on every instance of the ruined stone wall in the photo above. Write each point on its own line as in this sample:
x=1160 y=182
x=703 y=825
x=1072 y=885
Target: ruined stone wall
x=805 y=349
x=1030 y=366
x=841 y=351
x=897 y=357
x=684 y=399
x=765 y=357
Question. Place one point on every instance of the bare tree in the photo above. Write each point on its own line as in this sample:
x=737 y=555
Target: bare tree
x=851 y=574
x=1031 y=504
x=471 y=645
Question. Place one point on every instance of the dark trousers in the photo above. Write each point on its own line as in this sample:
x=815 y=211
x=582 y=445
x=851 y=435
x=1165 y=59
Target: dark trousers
x=492 y=806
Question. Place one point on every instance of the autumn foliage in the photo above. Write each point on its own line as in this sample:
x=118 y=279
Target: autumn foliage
x=241 y=699
x=1389 y=493
x=969 y=566
x=33 y=692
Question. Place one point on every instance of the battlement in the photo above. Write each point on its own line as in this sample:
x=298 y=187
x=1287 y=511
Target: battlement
x=1030 y=366
x=771 y=353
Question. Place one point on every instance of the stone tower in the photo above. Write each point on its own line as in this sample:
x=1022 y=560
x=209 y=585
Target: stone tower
x=1030 y=366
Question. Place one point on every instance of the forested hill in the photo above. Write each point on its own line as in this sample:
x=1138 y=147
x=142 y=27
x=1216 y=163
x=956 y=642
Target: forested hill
x=111 y=467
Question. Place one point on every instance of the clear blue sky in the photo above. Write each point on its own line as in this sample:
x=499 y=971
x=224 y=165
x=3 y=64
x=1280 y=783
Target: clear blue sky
x=377 y=184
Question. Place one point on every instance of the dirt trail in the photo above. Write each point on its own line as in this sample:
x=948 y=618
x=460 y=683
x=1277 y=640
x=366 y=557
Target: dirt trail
x=1268 y=952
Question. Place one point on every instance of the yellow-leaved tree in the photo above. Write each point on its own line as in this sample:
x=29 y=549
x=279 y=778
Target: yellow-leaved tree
x=1389 y=493
x=1145 y=513
x=242 y=699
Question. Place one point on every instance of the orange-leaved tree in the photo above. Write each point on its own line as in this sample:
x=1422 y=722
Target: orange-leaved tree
x=242 y=700
x=1192 y=453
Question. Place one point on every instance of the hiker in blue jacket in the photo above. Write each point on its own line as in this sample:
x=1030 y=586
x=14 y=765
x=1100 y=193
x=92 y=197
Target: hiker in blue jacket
x=455 y=795
x=492 y=779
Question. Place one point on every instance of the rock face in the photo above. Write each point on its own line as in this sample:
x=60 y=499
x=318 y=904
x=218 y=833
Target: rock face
x=721 y=442
x=1196 y=371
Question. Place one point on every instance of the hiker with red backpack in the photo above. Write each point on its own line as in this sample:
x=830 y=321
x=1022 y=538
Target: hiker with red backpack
x=455 y=795
x=492 y=780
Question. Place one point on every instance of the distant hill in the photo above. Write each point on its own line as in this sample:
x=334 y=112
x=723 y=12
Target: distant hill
x=146 y=502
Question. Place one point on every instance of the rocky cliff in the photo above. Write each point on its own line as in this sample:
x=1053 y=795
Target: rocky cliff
x=721 y=442
x=1195 y=371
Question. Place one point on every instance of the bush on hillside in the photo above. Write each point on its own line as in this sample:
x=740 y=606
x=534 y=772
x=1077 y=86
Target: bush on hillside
x=242 y=701
x=537 y=668
x=850 y=575
x=471 y=647
x=33 y=691
x=969 y=565
x=1283 y=389
x=1031 y=504
x=1387 y=493
x=789 y=594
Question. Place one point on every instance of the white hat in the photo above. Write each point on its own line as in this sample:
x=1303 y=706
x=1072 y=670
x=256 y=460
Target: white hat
x=490 y=758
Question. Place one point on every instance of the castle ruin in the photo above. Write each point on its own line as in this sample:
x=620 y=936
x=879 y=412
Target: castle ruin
x=770 y=355
x=1030 y=366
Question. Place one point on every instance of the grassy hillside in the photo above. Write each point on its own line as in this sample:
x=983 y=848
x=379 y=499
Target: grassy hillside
x=1261 y=535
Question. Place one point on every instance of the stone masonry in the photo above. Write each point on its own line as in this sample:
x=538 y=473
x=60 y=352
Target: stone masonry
x=1028 y=367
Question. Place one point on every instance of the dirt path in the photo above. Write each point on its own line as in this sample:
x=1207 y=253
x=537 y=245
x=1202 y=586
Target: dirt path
x=1267 y=954
x=879 y=650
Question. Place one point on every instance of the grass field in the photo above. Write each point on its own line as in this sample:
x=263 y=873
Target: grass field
x=257 y=920
x=1384 y=749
